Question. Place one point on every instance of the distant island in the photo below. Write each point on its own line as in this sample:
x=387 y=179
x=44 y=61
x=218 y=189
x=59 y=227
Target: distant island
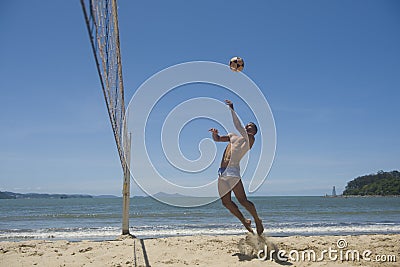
x=379 y=184
x=166 y=195
x=12 y=195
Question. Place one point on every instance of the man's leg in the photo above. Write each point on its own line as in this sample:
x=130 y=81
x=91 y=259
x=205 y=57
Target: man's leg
x=242 y=198
x=225 y=193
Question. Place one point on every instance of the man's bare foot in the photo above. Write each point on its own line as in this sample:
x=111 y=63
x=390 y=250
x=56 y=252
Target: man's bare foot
x=259 y=226
x=247 y=224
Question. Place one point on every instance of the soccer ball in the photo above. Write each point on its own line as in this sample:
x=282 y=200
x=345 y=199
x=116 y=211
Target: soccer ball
x=236 y=64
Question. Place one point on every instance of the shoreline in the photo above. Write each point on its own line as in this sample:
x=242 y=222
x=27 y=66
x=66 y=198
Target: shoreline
x=193 y=250
x=115 y=236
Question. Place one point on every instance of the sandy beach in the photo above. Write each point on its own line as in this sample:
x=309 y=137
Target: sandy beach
x=373 y=250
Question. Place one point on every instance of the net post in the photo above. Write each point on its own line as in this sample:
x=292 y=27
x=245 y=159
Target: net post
x=126 y=189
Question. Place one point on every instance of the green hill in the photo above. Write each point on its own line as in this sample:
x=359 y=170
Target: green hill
x=379 y=184
x=12 y=195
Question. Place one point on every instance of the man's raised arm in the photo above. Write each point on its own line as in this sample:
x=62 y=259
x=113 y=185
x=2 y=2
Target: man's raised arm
x=236 y=120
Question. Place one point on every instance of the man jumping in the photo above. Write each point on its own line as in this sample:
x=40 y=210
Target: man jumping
x=229 y=173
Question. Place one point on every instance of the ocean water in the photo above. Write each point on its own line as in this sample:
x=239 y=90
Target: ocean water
x=100 y=219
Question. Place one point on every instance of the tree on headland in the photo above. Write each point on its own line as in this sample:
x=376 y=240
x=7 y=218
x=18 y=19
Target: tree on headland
x=379 y=184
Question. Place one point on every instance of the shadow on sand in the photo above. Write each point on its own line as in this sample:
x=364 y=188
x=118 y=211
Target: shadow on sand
x=252 y=244
x=140 y=254
x=244 y=257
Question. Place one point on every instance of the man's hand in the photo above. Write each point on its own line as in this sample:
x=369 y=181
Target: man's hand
x=218 y=138
x=229 y=103
x=213 y=130
x=215 y=135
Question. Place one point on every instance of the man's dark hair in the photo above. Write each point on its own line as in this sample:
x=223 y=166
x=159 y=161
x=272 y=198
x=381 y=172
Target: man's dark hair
x=255 y=126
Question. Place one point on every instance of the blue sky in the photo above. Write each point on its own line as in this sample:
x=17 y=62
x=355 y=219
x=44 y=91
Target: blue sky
x=329 y=70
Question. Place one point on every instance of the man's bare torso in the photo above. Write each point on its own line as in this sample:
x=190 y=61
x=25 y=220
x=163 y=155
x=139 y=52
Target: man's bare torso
x=236 y=149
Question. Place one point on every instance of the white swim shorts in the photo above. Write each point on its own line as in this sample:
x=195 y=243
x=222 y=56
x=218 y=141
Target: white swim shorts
x=229 y=172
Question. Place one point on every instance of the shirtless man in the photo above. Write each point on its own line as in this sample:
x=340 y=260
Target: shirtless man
x=229 y=173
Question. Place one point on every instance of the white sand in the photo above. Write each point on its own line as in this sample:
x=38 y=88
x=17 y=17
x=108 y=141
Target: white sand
x=193 y=251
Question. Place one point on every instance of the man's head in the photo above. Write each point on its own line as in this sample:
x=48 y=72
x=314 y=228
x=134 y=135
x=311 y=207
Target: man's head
x=251 y=128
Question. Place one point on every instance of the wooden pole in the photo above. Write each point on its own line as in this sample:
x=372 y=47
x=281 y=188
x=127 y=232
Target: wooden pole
x=126 y=188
